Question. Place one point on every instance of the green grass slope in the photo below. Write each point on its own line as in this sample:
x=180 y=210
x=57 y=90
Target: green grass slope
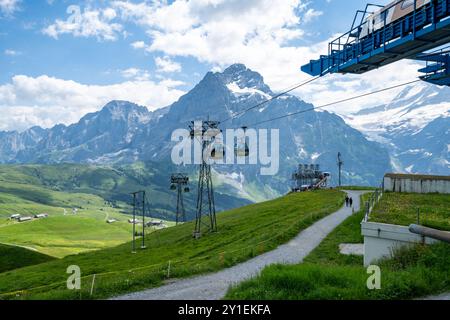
x=243 y=233
x=111 y=183
x=13 y=257
x=401 y=209
x=328 y=275
x=58 y=235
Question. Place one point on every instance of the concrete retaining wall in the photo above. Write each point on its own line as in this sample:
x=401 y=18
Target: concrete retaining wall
x=416 y=185
x=380 y=240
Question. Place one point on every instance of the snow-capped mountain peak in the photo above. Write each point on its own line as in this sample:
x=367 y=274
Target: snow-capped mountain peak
x=238 y=78
x=412 y=127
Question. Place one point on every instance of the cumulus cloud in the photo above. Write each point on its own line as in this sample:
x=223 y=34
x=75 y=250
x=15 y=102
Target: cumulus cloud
x=337 y=87
x=311 y=14
x=8 y=7
x=46 y=101
x=138 y=45
x=136 y=74
x=258 y=33
x=166 y=65
x=89 y=23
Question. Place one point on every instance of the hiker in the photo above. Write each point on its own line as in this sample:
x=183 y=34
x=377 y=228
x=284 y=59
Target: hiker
x=351 y=202
x=346 y=201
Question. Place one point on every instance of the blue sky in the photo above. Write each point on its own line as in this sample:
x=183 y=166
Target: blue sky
x=90 y=61
x=62 y=58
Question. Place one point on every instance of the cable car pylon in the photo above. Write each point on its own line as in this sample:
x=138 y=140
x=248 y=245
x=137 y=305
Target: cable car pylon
x=179 y=182
x=206 y=210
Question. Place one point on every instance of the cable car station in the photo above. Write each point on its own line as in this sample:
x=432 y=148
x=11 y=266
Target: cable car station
x=404 y=29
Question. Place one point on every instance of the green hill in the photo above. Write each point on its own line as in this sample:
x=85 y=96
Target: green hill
x=13 y=257
x=62 y=233
x=111 y=183
x=59 y=236
x=171 y=253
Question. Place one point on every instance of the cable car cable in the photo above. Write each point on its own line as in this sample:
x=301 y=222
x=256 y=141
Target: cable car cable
x=335 y=102
x=271 y=99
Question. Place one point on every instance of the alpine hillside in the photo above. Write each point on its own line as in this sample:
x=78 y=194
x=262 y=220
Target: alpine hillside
x=123 y=133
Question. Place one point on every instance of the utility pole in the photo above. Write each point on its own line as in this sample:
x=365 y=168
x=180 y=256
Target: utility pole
x=138 y=206
x=340 y=163
x=206 y=134
x=133 y=250
x=143 y=220
x=179 y=182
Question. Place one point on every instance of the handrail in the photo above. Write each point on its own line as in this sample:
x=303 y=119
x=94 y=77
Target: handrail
x=341 y=45
x=430 y=233
x=373 y=200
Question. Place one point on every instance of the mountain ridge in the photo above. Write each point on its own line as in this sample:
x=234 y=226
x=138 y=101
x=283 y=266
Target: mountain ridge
x=124 y=132
x=413 y=127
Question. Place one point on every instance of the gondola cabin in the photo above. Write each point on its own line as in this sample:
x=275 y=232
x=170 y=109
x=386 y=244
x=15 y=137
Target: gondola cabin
x=389 y=14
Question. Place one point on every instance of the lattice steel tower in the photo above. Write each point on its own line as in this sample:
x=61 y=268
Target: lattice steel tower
x=179 y=183
x=206 y=210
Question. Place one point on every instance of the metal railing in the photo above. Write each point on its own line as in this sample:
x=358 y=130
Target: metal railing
x=342 y=49
x=374 y=198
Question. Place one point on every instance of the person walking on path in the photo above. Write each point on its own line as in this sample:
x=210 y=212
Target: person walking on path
x=351 y=201
x=346 y=201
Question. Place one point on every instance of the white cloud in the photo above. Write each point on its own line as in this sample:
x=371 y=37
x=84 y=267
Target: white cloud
x=89 y=23
x=8 y=7
x=46 y=101
x=138 y=45
x=337 y=87
x=258 y=34
x=10 y=52
x=166 y=65
x=135 y=74
x=311 y=14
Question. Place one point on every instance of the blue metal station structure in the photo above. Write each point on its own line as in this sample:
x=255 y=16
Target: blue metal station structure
x=378 y=38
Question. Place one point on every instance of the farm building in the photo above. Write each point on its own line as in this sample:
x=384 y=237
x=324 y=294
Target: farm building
x=23 y=219
x=41 y=215
x=111 y=221
x=154 y=223
x=133 y=221
x=416 y=183
x=15 y=216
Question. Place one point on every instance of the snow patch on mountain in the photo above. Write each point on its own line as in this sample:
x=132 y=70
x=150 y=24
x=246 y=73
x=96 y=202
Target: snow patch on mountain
x=238 y=92
x=412 y=127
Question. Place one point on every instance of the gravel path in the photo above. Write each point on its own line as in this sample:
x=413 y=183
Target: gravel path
x=445 y=296
x=215 y=285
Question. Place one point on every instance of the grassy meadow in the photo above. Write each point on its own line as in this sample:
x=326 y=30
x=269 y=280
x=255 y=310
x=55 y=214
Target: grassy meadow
x=243 y=233
x=326 y=274
x=13 y=257
x=402 y=208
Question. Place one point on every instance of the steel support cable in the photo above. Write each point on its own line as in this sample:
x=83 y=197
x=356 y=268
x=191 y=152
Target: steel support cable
x=271 y=99
x=335 y=102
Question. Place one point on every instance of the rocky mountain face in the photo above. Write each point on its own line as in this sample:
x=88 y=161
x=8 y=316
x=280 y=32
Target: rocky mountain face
x=414 y=127
x=123 y=132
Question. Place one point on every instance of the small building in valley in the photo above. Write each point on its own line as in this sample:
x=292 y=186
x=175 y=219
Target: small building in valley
x=41 y=215
x=15 y=216
x=154 y=223
x=416 y=183
x=111 y=221
x=23 y=219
